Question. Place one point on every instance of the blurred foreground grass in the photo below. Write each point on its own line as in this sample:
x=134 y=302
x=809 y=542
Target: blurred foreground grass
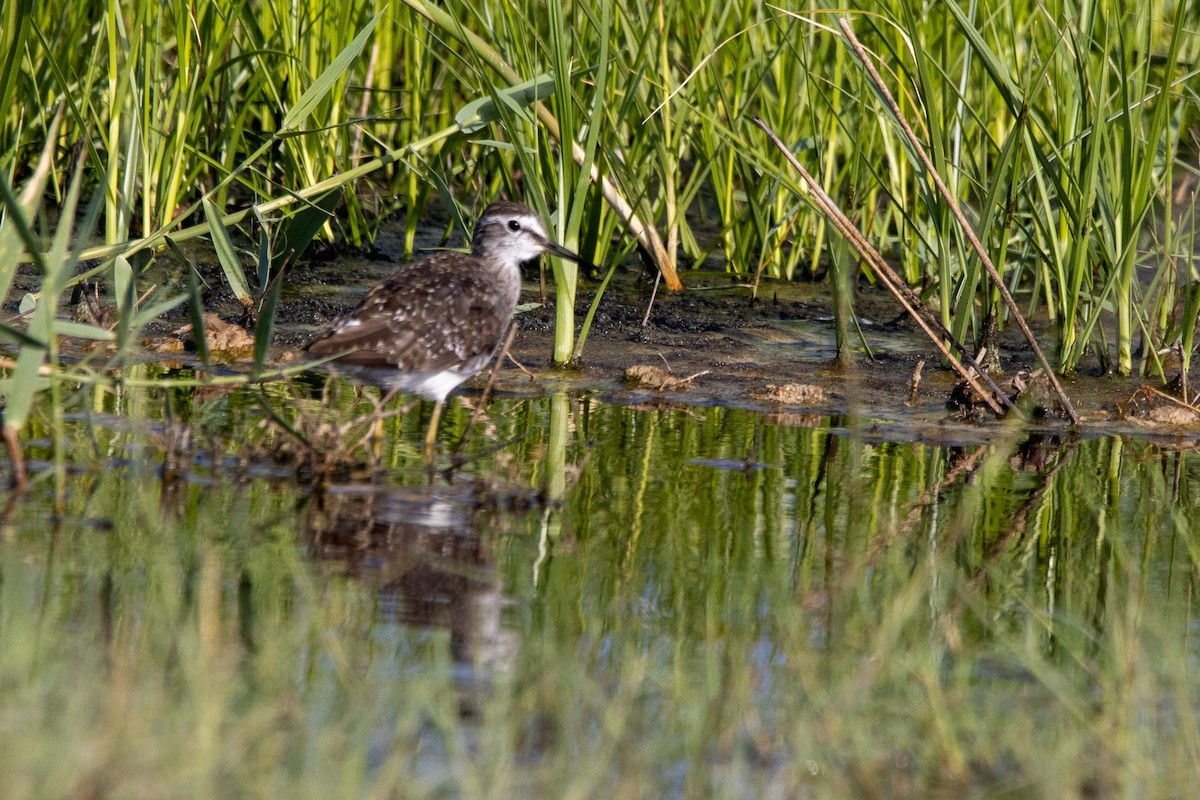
x=838 y=616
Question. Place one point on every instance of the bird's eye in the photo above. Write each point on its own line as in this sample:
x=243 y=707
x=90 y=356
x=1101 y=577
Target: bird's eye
x=514 y=226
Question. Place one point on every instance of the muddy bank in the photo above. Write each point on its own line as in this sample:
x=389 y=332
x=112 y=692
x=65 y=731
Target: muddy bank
x=732 y=342
x=735 y=343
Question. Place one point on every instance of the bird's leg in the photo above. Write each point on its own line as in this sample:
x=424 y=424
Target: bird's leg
x=431 y=434
x=487 y=390
x=373 y=437
x=376 y=432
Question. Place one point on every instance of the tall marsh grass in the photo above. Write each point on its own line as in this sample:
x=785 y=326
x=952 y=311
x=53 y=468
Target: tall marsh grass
x=1062 y=128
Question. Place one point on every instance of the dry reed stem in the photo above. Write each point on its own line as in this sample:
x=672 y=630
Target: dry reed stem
x=892 y=281
x=12 y=441
x=646 y=234
x=976 y=245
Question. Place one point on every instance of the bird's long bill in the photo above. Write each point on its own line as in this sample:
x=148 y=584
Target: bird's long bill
x=562 y=252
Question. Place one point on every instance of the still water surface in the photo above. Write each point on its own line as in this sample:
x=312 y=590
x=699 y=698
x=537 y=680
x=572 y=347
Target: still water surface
x=603 y=600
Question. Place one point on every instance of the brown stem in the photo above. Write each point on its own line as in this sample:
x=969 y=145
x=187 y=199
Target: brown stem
x=645 y=234
x=11 y=439
x=993 y=273
x=932 y=327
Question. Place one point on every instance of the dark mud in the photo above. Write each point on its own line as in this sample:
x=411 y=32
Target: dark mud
x=743 y=341
x=737 y=340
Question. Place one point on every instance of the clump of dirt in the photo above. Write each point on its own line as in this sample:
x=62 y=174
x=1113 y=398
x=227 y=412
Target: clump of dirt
x=224 y=341
x=650 y=377
x=1157 y=410
x=791 y=394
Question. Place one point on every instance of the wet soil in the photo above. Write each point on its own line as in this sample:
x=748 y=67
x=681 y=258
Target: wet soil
x=741 y=346
x=769 y=347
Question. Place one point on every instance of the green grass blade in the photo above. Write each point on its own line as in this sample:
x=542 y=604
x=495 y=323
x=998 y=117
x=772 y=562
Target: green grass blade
x=81 y=330
x=156 y=310
x=591 y=313
x=227 y=255
x=42 y=324
x=25 y=383
x=313 y=95
x=195 y=301
x=302 y=227
x=196 y=312
x=123 y=282
x=483 y=111
x=262 y=269
x=264 y=326
x=18 y=14
x=16 y=234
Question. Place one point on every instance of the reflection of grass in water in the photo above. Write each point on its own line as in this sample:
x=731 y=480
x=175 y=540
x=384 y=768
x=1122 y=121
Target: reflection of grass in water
x=850 y=619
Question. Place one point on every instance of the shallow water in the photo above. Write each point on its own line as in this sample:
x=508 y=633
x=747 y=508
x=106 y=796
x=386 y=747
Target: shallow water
x=601 y=599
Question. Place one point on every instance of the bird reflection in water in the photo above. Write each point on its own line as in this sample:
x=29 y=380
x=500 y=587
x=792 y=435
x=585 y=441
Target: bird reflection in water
x=422 y=548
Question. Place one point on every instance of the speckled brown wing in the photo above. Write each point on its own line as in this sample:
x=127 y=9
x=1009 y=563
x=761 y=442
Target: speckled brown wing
x=441 y=312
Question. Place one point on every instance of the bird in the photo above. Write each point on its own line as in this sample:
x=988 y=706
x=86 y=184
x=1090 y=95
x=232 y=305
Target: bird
x=434 y=323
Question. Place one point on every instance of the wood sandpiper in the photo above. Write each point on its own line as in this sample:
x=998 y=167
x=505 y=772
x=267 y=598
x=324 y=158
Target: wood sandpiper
x=439 y=320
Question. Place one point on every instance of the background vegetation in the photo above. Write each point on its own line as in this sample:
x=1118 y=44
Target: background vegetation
x=1068 y=130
